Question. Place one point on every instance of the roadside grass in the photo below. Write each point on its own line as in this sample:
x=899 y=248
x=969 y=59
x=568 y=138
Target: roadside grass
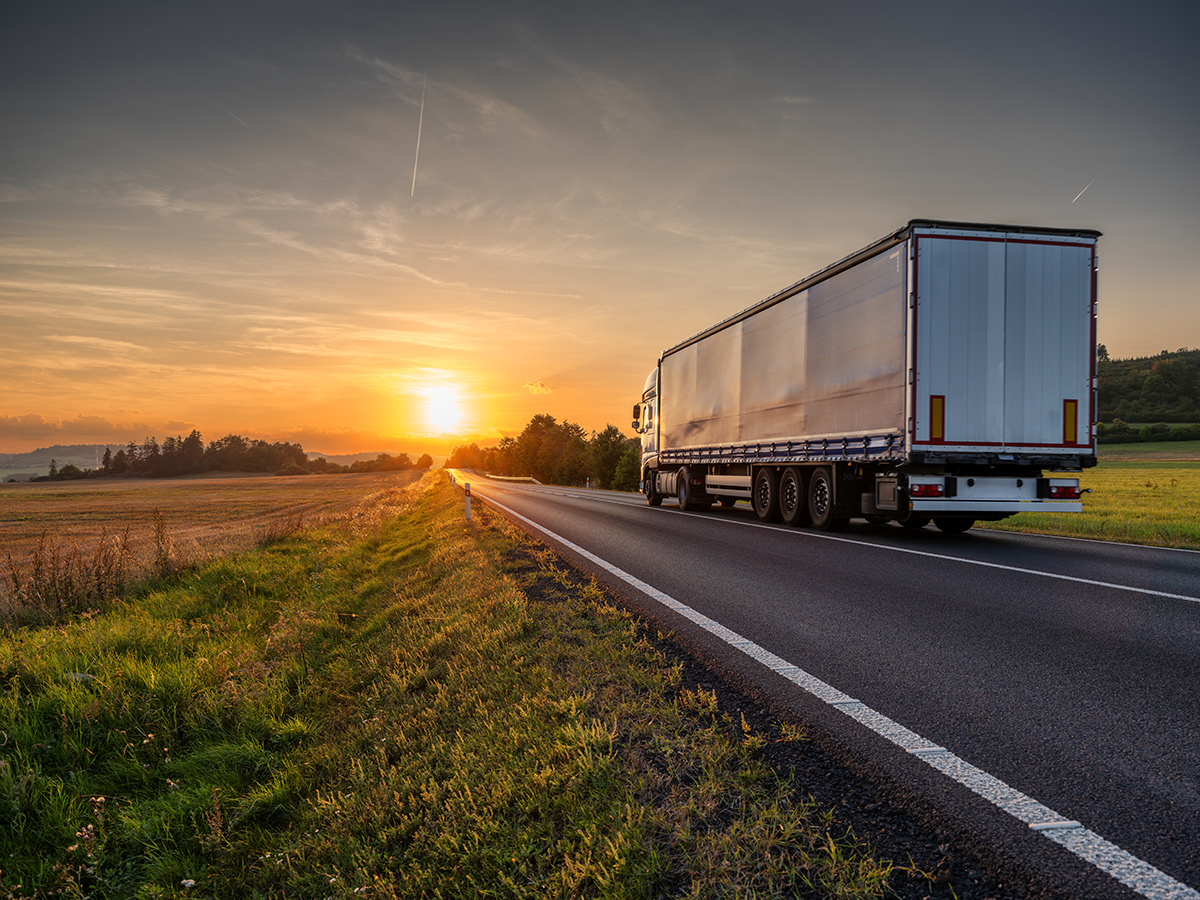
x=425 y=707
x=1132 y=501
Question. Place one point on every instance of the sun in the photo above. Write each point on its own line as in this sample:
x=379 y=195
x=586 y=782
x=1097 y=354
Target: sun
x=443 y=408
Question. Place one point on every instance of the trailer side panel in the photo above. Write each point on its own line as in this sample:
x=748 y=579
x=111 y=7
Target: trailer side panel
x=828 y=361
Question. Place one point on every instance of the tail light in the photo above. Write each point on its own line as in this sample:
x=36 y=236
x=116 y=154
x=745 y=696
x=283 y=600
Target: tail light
x=926 y=490
x=1064 y=493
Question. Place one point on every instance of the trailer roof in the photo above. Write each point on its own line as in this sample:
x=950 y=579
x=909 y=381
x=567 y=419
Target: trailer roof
x=880 y=246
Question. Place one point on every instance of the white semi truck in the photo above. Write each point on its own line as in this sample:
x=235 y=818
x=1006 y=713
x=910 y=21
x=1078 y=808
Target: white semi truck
x=935 y=375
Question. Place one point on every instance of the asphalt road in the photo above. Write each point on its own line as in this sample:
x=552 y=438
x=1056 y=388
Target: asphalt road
x=1067 y=669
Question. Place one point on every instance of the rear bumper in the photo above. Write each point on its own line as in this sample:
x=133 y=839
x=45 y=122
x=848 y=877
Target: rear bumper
x=966 y=507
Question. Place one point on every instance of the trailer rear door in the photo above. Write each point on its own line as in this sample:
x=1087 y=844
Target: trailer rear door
x=1003 y=341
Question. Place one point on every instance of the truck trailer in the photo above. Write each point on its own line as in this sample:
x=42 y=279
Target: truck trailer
x=935 y=375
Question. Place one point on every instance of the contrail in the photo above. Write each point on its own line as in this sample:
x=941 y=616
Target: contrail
x=1090 y=183
x=420 y=121
x=218 y=104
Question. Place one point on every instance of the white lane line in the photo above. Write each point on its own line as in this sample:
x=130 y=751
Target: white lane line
x=958 y=559
x=1134 y=873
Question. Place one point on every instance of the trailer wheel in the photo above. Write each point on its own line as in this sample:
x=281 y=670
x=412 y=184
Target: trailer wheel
x=952 y=525
x=766 y=495
x=820 y=501
x=793 y=500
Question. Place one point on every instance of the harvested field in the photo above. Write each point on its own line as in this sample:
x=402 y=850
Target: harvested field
x=203 y=516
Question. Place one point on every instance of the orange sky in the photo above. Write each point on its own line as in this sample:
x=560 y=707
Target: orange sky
x=208 y=217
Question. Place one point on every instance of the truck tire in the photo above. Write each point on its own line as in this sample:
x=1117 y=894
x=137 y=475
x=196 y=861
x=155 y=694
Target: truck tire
x=953 y=524
x=687 y=500
x=793 y=498
x=765 y=498
x=916 y=521
x=820 y=501
x=653 y=497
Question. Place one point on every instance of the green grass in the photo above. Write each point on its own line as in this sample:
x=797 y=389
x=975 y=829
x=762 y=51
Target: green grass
x=1156 y=450
x=429 y=708
x=1132 y=501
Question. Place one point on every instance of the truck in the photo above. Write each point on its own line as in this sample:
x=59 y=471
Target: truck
x=944 y=373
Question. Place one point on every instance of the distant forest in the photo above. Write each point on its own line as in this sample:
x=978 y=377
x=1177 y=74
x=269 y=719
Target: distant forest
x=559 y=453
x=232 y=453
x=1151 y=392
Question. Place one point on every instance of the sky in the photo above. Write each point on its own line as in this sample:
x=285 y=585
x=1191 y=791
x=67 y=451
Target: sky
x=209 y=217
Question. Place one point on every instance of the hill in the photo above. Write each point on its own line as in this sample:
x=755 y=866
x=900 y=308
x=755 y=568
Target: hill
x=1150 y=389
x=37 y=462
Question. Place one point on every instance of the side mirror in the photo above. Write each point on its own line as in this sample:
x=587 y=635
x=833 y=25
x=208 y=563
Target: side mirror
x=637 y=418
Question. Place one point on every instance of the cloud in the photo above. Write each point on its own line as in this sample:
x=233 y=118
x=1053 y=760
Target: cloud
x=97 y=342
x=537 y=387
x=18 y=434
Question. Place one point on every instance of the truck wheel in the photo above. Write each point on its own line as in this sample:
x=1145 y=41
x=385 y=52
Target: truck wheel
x=766 y=495
x=955 y=525
x=687 y=500
x=916 y=521
x=820 y=501
x=653 y=497
x=793 y=500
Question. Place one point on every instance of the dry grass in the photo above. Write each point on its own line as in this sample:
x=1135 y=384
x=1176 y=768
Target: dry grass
x=205 y=516
x=71 y=547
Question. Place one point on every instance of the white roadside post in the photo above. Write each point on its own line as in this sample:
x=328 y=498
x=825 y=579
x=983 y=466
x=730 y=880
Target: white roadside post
x=467 y=485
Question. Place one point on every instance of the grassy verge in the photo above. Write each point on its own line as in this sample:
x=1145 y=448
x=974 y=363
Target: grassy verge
x=1132 y=501
x=431 y=708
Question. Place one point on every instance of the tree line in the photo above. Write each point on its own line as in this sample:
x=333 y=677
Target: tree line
x=233 y=453
x=559 y=453
x=1149 y=389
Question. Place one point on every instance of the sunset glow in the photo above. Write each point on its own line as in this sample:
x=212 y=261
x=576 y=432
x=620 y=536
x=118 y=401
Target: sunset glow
x=212 y=222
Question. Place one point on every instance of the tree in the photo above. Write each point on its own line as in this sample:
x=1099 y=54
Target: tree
x=106 y=462
x=628 y=473
x=191 y=452
x=424 y=461
x=606 y=448
x=468 y=456
x=53 y=467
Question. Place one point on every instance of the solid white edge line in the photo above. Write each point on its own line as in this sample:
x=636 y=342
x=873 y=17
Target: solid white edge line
x=1126 y=868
